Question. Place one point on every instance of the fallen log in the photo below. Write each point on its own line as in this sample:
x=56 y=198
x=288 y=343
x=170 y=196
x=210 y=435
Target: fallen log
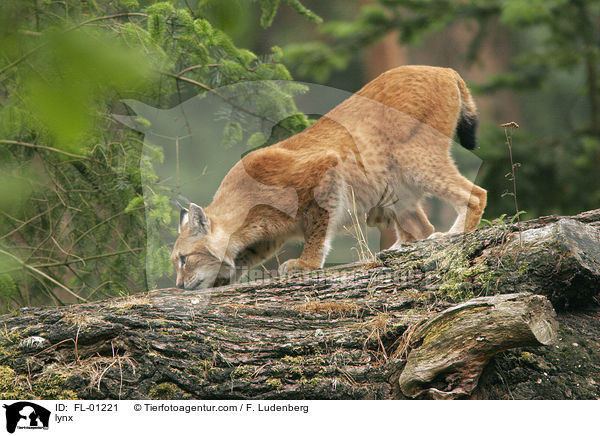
x=451 y=349
x=422 y=321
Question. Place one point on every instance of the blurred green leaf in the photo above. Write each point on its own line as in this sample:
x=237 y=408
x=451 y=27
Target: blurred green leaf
x=73 y=75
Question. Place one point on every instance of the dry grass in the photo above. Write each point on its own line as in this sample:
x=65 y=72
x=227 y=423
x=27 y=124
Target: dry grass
x=100 y=365
x=356 y=231
x=92 y=368
x=378 y=326
x=81 y=319
x=132 y=301
x=375 y=263
x=6 y=334
x=403 y=344
x=330 y=307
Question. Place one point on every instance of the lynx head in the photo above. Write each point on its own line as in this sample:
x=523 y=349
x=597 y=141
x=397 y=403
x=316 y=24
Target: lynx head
x=196 y=254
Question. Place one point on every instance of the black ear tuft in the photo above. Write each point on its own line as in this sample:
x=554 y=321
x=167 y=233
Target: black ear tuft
x=182 y=202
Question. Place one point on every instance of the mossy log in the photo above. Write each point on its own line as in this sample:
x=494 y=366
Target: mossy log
x=422 y=321
x=450 y=350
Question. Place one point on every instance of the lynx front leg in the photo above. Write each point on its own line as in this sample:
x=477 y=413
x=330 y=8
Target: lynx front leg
x=319 y=218
x=315 y=228
x=254 y=254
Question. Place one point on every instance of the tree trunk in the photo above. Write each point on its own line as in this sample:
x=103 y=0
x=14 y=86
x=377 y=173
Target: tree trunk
x=421 y=322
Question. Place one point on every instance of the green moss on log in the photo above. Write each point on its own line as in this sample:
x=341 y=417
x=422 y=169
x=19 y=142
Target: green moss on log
x=49 y=386
x=164 y=391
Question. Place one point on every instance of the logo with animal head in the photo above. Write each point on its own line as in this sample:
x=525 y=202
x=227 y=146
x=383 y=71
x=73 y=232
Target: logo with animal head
x=26 y=415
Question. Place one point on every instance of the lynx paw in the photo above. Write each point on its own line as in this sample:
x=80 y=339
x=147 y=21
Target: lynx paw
x=435 y=235
x=294 y=265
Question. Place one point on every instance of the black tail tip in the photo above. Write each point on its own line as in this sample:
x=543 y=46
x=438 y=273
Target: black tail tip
x=465 y=130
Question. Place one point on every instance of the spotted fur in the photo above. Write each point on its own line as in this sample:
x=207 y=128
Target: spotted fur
x=379 y=153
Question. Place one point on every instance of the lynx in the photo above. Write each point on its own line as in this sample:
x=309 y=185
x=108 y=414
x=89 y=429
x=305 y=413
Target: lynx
x=379 y=153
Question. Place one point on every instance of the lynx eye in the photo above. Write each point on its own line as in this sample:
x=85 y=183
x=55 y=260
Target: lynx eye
x=182 y=261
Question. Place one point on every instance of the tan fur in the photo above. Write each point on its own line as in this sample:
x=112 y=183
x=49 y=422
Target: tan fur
x=381 y=150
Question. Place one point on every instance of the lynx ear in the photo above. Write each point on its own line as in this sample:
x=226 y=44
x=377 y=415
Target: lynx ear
x=197 y=220
x=183 y=218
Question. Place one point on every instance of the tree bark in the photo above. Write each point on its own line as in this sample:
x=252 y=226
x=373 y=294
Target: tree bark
x=454 y=346
x=420 y=322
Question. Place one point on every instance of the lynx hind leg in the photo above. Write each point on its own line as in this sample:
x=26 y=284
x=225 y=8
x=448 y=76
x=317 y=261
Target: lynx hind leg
x=397 y=227
x=475 y=207
x=469 y=202
x=384 y=219
x=412 y=226
x=389 y=231
x=391 y=234
x=468 y=199
x=416 y=223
